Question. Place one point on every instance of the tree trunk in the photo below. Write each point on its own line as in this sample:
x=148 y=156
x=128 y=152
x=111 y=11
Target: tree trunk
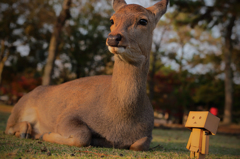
x=53 y=46
x=152 y=73
x=3 y=59
x=78 y=70
x=181 y=59
x=227 y=118
x=2 y=62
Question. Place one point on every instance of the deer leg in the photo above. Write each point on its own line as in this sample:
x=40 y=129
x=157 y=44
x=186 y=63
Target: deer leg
x=37 y=136
x=69 y=134
x=142 y=144
x=21 y=129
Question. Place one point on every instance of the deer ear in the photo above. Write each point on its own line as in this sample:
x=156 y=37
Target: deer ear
x=117 y=4
x=159 y=9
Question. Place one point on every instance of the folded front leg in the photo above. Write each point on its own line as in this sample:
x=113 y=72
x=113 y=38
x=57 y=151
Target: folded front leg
x=70 y=132
x=142 y=144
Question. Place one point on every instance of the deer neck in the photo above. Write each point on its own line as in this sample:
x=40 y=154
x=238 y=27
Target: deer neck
x=128 y=87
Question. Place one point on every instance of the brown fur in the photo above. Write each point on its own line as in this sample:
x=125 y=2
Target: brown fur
x=109 y=111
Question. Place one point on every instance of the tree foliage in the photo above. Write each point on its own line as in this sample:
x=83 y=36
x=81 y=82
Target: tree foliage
x=223 y=15
x=28 y=32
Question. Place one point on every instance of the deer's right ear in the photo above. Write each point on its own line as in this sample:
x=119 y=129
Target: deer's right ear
x=117 y=4
x=159 y=9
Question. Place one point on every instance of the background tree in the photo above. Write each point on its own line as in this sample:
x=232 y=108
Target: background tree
x=224 y=15
x=54 y=42
x=85 y=38
x=8 y=29
x=24 y=33
x=155 y=60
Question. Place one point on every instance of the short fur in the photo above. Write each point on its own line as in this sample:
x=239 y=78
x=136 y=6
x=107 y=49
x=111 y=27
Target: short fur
x=108 y=111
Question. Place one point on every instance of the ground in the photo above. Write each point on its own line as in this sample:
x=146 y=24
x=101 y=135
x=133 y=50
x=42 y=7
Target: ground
x=167 y=144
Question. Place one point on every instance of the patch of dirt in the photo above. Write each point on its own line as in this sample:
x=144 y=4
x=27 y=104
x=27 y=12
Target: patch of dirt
x=5 y=108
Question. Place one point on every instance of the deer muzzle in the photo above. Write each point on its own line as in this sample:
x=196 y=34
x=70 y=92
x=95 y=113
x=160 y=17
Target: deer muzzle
x=113 y=40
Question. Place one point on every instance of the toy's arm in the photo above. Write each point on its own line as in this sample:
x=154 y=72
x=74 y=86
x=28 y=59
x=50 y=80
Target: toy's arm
x=189 y=142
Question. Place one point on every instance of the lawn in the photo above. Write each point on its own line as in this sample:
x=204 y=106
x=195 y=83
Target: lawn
x=166 y=144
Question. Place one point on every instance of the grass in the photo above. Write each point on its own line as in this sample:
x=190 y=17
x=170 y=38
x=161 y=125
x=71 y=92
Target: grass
x=169 y=144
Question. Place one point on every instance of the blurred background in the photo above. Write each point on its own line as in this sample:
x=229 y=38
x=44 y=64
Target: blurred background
x=194 y=65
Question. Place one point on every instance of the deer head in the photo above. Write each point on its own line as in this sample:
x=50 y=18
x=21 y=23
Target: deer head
x=132 y=28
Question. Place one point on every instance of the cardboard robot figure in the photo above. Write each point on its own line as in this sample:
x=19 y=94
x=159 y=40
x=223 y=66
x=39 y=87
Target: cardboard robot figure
x=202 y=124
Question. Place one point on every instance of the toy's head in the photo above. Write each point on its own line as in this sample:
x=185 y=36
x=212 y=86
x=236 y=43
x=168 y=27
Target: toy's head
x=204 y=120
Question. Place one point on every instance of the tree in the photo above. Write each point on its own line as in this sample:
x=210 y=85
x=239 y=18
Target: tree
x=54 y=42
x=228 y=71
x=3 y=58
x=8 y=25
x=82 y=47
x=222 y=14
x=155 y=56
x=22 y=25
x=24 y=33
x=160 y=39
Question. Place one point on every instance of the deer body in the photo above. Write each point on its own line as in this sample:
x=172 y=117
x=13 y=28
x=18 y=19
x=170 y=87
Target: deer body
x=108 y=111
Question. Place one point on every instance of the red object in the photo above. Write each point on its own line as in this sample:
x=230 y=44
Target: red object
x=214 y=111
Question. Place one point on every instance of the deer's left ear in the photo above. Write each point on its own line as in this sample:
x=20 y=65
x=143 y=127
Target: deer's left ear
x=159 y=9
x=117 y=4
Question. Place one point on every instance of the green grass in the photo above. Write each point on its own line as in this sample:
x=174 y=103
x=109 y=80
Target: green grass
x=168 y=144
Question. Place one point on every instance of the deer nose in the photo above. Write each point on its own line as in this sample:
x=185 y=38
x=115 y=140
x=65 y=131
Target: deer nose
x=113 y=40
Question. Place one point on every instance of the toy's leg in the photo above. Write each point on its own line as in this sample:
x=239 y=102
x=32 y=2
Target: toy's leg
x=196 y=140
x=199 y=155
x=21 y=129
x=205 y=143
x=192 y=154
x=141 y=144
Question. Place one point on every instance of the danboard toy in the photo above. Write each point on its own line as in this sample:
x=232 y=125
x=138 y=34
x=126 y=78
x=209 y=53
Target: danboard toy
x=202 y=124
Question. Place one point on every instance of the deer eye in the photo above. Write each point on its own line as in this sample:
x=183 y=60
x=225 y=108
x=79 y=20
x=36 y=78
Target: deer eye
x=143 y=22
x=111 y=21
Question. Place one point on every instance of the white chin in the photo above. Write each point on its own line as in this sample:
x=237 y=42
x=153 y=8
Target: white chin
x=116 y=50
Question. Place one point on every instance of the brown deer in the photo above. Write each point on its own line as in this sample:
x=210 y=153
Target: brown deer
x=107 y=111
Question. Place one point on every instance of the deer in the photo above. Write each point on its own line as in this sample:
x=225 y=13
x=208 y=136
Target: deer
x=105 y=110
